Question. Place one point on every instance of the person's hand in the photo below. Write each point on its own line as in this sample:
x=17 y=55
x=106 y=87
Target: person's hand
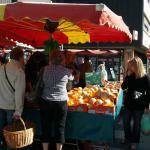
x=16 y=117
x=146 y=111
x=129 y=72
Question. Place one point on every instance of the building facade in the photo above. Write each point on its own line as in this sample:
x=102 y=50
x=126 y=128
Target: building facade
x=5 y=1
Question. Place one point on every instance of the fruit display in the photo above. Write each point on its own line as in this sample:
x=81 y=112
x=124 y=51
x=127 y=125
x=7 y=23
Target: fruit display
x=94 y=98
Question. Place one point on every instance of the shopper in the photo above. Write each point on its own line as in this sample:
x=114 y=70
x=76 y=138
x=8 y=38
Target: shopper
x=137 y=97
x=54 y=100
x=84 y=68
x=12 y=89
x=36 y=62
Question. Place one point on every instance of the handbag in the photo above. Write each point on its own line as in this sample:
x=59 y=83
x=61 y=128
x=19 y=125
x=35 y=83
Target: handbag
x=140 y=98
x=145 y=124
x=8 y=79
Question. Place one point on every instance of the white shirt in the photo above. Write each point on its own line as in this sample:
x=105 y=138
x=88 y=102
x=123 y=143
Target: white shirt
x=104 y=76
x=9 y=99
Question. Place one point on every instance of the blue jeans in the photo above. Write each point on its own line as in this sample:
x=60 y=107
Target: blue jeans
x=5 y=119
x=132 y=133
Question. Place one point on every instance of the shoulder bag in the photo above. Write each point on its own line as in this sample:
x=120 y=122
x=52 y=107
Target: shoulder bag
x=8 y=79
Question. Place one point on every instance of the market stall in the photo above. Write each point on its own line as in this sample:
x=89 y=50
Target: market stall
x=91 y=115
x=112 y=59
x=98 y=111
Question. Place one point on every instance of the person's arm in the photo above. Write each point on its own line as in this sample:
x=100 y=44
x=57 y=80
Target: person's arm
x=106 y=75
x=29 y=77
x=90 y=68
x=70 y=75
x=77 y=75
x=19 y=92
x=148 y=93
x=39 y=85
x=29 y=87
x=125 y=83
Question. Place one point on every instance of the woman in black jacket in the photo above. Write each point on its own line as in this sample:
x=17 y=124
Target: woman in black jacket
x=137 y=98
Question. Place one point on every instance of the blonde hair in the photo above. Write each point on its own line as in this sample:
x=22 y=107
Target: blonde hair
x=139 y=67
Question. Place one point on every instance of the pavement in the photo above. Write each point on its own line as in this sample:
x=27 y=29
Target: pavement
x=119 y=134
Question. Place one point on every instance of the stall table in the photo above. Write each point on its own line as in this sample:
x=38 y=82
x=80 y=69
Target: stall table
x=83 y=126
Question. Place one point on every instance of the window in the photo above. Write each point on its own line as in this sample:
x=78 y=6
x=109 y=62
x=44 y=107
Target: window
x=146 y=25
x=145 y=28
x=5 y=1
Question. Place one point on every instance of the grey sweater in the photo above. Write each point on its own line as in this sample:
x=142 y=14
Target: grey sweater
x=9 y=99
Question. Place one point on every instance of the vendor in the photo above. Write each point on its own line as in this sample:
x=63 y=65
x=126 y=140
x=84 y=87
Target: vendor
x=103 y=73
x=54 y=100
x=84 y=68
x=76 y=73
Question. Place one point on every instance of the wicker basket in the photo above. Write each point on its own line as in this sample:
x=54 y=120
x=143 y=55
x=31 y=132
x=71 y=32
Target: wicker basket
x=19 y=134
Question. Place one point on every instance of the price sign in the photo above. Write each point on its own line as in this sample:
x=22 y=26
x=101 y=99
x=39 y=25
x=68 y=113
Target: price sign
x=93 y=78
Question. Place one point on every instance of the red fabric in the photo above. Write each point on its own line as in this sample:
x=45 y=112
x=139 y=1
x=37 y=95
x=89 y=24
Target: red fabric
x=32 y=32
x=26 y=32
x=6 y=43
x=36 y=11
x=103 y=33
x=109 y=18
x=73 y=12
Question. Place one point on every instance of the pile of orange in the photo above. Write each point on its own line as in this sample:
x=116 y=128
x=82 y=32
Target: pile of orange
x=94 y=96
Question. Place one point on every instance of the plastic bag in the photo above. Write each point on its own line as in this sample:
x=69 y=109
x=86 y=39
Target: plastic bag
x=145 y=124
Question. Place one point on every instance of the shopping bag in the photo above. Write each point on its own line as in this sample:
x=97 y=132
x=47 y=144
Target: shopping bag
x=145 y=124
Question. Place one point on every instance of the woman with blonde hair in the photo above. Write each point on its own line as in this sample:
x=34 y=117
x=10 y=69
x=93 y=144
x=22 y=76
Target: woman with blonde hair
x=137 y=86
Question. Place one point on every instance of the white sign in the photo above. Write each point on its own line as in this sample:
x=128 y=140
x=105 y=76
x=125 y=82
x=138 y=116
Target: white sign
x=146 y=40
x=135 y=35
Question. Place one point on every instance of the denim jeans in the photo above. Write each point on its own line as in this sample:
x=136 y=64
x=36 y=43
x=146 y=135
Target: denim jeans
x=132 y=133
x=5 y=119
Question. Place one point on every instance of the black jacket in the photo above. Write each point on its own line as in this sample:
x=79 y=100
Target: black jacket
x=137 y=92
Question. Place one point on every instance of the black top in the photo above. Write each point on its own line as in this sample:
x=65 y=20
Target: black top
x=33 y=68
x=137 y=92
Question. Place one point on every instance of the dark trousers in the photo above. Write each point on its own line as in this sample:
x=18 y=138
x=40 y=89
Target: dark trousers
x=6 y=118
x=82 y=83
x=132 y=133
x=53 y=116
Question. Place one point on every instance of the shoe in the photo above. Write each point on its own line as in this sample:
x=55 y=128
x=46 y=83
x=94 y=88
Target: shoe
x=133 y=147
